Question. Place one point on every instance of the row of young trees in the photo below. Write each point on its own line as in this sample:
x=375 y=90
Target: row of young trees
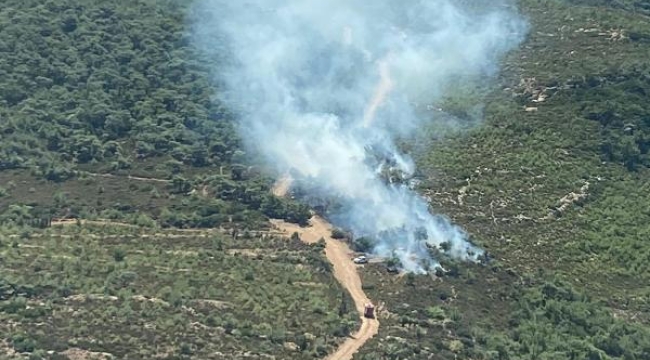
x=196 y=293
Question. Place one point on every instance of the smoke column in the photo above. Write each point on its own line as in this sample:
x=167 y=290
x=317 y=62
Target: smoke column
x=322 y=87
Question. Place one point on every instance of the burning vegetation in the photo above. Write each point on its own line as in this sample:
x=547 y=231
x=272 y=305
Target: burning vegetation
x=327 y=99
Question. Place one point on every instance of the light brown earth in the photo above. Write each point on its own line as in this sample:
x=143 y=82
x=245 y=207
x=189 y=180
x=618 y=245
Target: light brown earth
x=136 y=178
x=345 y=271
x=64 y=222
x=281 y=187
x=381 y=91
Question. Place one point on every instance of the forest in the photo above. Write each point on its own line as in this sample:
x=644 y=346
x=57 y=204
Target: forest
x=92 y=88
x=134 y=223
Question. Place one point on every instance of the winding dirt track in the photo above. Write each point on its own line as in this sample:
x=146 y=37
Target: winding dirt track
x=337 y=252
x=345 y=272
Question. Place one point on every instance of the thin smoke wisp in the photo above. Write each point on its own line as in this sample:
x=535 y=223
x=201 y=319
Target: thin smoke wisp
x=322 y=87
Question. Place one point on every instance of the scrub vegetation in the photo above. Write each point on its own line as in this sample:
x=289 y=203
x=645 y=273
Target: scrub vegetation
x=554 y=185
x=107 y=114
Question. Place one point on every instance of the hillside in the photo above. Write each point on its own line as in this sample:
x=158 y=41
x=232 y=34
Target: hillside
x=83 y=290
x=107 y=114
x=90 y=88
x=554 y=184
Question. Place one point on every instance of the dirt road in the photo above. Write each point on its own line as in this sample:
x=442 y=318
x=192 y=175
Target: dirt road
x=340 y=256
x=281 y=187
x=136 y=178
x=337 y=252
x=345 y=272
x=381 y=91
x=65 y=222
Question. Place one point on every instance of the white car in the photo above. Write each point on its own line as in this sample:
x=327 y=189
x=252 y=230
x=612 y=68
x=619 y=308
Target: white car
x=360 y=260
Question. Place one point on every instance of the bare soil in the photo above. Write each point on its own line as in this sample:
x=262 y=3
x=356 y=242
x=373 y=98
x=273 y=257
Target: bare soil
x=345 y=271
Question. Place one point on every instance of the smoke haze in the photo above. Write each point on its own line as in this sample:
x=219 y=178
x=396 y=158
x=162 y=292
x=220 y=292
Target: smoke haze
x=322 y=87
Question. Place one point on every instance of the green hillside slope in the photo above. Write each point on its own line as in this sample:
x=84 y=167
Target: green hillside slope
x=90 y=88
x=107 y=113
x=555 y=185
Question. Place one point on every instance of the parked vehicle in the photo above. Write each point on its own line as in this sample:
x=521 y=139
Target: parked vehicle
x=360 y=260
x=369 y=310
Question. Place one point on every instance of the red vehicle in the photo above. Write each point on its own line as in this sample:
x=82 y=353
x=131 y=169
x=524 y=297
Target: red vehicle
x=369 y=311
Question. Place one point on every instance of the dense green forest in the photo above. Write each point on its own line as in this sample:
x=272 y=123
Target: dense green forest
x=91 y=88
x=107 y=113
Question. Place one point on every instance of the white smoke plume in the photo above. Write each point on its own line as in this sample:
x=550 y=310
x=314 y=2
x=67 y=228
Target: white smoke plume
x=316 y=84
